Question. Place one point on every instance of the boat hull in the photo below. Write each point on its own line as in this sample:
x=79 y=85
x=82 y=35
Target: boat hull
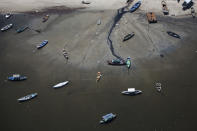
x=127 y=37
x=28 y=97
x=60 y=85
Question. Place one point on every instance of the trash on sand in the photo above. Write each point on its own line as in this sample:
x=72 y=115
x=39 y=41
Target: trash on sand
x=128 y=36
x=131 y=91
x=158 y=87
x=28 y=97
x=85 y=2
x=21 y=29
x=17 y=77
x=42 y=44
x=98 y=22
x=173 y=34
x=61 y=84
x=8 y=15
x=6 y=27
x=98 y=77
x=128 y=62
x=45 y=18
x=151 y=17
x=135 y=6
x=164 y=7
x=107 y=118
x=116 y=62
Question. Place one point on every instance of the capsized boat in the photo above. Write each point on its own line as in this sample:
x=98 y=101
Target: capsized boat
x=6 y=27
x=61 y=84
x=131 y=91
x=128 y=62
x=135 y=6
x=173 y=34
x=107 y=118
x=21 y=29
x=116 y=62
x=42 y=44
x=17 y=77
x=28 y=97
x=45 y=18
x=128 y=36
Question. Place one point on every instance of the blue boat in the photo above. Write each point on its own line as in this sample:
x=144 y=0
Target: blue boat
x=42 y=44
x=28 y=97
x=135 y=6
x=107 y=118
x=17 y=77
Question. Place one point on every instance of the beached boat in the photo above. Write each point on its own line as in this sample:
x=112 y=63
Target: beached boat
x=173 y=34
x=8 y=15
x=129 y=36
x=107 y=118
x=21 y=29
x=45 y=18
x=151 y=17
x=135 y=6
x=6 y=27
x=42 y=44
x=131 y=92
x=116 y=62
x=61 y=84
x=98 y=77
x=85 y=2
x=128 y=62
x=17 y=77
x=28 y=97
x=164 y=7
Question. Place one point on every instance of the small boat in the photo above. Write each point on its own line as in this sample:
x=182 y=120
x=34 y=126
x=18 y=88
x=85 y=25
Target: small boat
x=98 y=22
x=17 y=77
x=151 y=17
x=42 y=44
x=6 y=27
x=28 y=97
x=173 y=34
x=45 y=18
x=131 y=91
x=98 y=77
x=158 y=87
x=21 y=29
x=164 y=7
x=135 y=6
x=128 y=62
x=85 y=2
x=129 y=36
x=8 y=15
x=107 y=118
x=193 y=12
x=116 y=62
x=61 y=84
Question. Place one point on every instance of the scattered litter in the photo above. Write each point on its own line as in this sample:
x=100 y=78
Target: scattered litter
x=107 y=118
x=98 y=77
x=158 y=87
x=131 y=91
x=28 y=97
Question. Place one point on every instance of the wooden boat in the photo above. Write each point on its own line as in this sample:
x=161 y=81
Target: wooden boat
x=17 y=77
x=42 y=44
x=151 y=17
x=128 y=62
x=131 y=92
x=128 y=36
x=6 y=27
x=116 y=62
x=173 y=34
x=28 y=97
x=21 y=29
x=135 y=6
x=45 y=18
x=61 y=84
x=164 y=7
x=107 y=118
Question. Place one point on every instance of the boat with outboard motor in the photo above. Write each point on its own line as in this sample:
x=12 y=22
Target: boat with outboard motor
x=135 y=6
x=27 y=97
x=107 y=118
x=131 y=91
x=17 y=77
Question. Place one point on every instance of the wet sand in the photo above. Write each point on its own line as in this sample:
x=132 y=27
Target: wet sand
x=80 y=105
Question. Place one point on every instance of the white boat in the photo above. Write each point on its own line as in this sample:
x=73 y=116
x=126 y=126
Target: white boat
x=6 y=27
x=7 y=16
x=28 y=97
x=61 y=84
x=131 y=91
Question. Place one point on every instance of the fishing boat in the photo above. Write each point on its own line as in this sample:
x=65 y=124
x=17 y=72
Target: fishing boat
x=21 y=29
x=128 y=62
x=135 y=6
x=107 y=118
x=164 y=7
x=85 y=2
x=116 y=62
x=129 y=36
x=151 y=17
x=17 y=77
x=173 y=34
x=45 y=18
x=61 y=84
x=131 y=92
x=42 y=44
x=8 y=15
x=28 y=97
x=6 y=27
